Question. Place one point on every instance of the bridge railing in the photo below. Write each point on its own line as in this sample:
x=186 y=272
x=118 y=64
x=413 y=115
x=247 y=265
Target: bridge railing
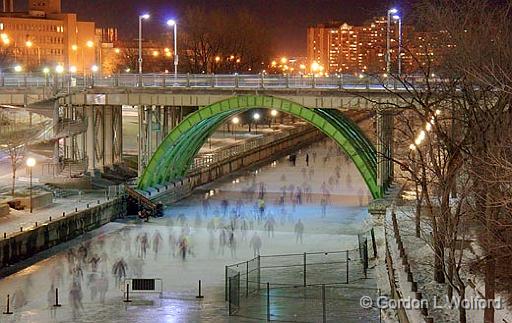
x=215 y=81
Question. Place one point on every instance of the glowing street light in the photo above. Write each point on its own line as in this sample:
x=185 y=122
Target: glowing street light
x=95 y=68
x=117 y=50
x=89 y=44
x=391 y=12
x=59 y=69
x=72 y=69
x=31 y=163
x=256 y=116
x=284 y=60
x=172 y=23
x=29 y=43
x=397 y=17
x=46 y=70
x=217 y=59
x=5 y=39
x=141 y=17
x=74 y=47
x=274 y=114
x=18 y=68
x=235 y=121
x=315 y=67
x=156 y=53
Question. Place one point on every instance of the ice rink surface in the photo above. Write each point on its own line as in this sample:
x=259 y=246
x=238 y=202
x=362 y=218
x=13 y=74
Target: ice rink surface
x=328 y=196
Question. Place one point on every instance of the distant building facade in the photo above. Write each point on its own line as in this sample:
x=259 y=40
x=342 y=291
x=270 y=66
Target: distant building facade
x=341 y=48
x=45 y=37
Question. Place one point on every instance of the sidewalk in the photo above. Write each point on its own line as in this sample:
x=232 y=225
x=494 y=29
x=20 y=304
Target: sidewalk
x=16 y=219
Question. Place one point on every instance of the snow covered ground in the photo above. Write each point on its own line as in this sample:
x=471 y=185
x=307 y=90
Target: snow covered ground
x=333 y=211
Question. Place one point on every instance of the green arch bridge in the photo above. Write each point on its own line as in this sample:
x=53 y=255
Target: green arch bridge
x=176 y=153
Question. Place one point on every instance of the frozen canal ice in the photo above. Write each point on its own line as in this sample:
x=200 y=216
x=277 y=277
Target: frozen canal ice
x=328 y=196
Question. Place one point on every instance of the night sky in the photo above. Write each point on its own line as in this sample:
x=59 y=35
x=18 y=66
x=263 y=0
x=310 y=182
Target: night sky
x=287 y=19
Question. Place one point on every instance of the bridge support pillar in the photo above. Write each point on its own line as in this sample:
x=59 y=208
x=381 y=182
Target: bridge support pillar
x=108 y=156
x=91 y=140
x=142 y=151
x=117 y=127
x=384 y=149
x=165 y=124
x=100 y=137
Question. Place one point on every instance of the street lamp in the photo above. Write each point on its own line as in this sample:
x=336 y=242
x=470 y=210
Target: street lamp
x=141 y=17
x=172 y=23
x=397 y=17
x=31 y=162
x=256 y=116
x=273 y=113
x=235 y=122
x=388 y=40
x=18 y=68
x=59 y=69
x=29 y=44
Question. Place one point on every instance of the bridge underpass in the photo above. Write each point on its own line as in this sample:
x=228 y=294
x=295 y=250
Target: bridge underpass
x=162 y=104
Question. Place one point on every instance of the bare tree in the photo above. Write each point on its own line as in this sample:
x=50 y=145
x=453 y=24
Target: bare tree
x=13 y=143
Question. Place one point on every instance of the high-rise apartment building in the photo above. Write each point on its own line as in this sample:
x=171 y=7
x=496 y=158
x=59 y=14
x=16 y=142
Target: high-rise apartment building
x=342 y=48
x=44 y=36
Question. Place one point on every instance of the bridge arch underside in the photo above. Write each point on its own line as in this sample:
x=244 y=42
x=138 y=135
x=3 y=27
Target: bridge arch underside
x=176 y=153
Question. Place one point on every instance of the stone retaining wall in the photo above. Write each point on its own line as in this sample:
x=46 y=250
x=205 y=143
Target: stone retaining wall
x=26 y=244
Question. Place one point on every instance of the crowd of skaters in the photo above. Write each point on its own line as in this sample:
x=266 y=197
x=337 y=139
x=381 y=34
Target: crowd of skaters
x=249 y=221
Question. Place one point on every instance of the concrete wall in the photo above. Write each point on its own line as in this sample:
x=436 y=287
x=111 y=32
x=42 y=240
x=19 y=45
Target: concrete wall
x=259 y=155
x=27 y=244
x=38 y=200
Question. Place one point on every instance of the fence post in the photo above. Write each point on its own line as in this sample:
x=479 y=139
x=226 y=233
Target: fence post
x=57 y=298
x=8 y=310
x=365 y=258
x=374 y=243
x=127 y=300
x=259 y=272
x=305 y=265
x=247 y=279
x=228 y=296
x=347 y=259
x=324 y=315
x=199 y=295
x=268 y=302
x=226 y=283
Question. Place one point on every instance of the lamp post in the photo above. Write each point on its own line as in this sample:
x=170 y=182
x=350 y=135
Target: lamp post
x=172 y=23
x=397 y=17
x=273 y=113
x=256 y=116
x=141 y=17
x=31 y=162
x=235 y=122
x=29 y=44
x=388 y=41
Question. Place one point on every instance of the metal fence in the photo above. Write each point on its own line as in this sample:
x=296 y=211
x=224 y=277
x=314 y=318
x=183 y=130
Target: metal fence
x=206 y=160
x=327 y=284
x=243 y=81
